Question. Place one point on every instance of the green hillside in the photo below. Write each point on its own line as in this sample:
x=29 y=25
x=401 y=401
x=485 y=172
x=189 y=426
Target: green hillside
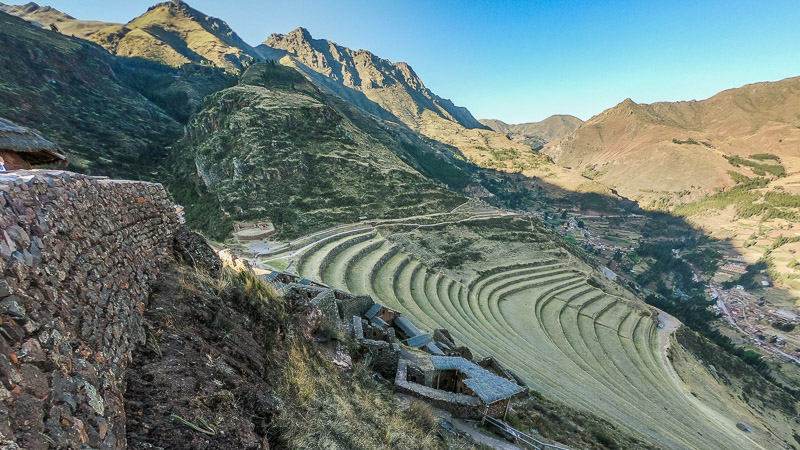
x=68 y=89
x=276 y=148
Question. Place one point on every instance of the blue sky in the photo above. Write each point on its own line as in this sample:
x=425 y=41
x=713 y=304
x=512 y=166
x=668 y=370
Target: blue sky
x=522 y=61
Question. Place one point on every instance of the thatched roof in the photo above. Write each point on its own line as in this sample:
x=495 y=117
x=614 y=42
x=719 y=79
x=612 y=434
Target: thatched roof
x=28 y=144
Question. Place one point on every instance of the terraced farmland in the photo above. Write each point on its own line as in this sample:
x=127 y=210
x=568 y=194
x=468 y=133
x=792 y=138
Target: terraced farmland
x=567 y=339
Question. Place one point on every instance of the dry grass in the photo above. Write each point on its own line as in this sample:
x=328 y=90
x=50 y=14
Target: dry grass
x=321 y=406
x=325 y=408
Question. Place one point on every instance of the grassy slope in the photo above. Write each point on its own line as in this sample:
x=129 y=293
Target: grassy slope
x=727 y=384
x=287 y=153
x=225 y=351
x=67 y=89
x=175 y=34
x=649 y=151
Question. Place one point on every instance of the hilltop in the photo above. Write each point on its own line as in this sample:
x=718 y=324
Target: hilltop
x=173 y=33
x=536 y=134
x=45 y=16
x=276 y=147
x=652 y=151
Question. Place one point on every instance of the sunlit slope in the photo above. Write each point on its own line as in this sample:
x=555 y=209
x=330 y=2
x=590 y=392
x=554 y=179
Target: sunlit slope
x=570 y=340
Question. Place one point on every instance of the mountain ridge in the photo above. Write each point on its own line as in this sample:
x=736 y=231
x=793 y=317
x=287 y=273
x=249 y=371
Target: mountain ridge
x=536 y=134
x=363 y=71
x=174 y=33
x=395 y=93
x=649 y=150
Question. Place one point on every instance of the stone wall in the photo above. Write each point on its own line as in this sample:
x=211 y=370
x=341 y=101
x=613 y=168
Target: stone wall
x=352 y=305
x=78 y=256
x=460 y=405
x=383 y=357
x=326 y=302
x=334 y=252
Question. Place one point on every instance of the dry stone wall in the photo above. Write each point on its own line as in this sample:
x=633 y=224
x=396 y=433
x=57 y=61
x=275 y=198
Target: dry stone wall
x=461 y=405
x=78 y=256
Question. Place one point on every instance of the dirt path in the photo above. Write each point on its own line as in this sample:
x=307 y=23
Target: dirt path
x=478 y=436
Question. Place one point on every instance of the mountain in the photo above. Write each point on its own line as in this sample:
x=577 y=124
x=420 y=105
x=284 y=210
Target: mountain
x=536 y=134
x=653 y=152
x=45 y=16
x=394 y=92
x=74 y=93
x=368 y=81
x=173 y=33
x=276 y=147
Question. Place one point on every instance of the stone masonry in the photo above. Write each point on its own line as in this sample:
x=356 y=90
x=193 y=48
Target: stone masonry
x=78 y=256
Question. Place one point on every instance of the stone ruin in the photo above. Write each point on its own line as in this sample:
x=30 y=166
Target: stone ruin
x=429 y=366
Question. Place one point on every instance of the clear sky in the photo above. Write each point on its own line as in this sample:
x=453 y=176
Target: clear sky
x=522 y=61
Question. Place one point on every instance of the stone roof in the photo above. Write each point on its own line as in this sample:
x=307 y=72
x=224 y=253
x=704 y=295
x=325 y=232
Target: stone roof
x=28 y=144
x=378 y=321
x=372 y=311
x=419 y=340
x=433 y=349
x=486 y=385
x=407 y=327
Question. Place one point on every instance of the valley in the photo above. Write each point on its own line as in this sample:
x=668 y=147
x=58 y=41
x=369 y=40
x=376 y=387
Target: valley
x=549 y=315
x=639 y=270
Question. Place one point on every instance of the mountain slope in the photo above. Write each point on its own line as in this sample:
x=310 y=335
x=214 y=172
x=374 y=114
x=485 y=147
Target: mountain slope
x=647 y=152
x=275 y=147
x=394 y=92
x=394 y=87
x=173 y=33
x=44 y=16
x=536 y=134
x=68 y=89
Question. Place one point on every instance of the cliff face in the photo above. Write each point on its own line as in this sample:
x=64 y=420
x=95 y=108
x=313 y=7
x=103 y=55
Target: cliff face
x=390 y=90
x=78 y=257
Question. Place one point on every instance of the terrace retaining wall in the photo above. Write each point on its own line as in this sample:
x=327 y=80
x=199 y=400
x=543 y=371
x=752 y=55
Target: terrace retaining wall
x=78 y=256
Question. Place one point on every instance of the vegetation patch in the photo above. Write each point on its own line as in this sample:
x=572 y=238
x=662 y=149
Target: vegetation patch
x=758 y=168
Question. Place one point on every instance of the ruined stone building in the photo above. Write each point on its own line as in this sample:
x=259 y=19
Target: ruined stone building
x=22 y=148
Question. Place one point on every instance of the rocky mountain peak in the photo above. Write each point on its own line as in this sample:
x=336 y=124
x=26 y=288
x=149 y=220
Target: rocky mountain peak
x=379 y=86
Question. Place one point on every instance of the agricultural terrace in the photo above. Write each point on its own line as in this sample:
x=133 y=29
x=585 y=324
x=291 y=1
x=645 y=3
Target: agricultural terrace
x=546 y=314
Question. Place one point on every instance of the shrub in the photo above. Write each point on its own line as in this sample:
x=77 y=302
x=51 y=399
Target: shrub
x=764 y=157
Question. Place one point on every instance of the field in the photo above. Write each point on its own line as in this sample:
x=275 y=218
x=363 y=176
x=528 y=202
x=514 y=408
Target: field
x=530 y=304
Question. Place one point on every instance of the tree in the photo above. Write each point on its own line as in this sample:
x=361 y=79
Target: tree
x=618 y=255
